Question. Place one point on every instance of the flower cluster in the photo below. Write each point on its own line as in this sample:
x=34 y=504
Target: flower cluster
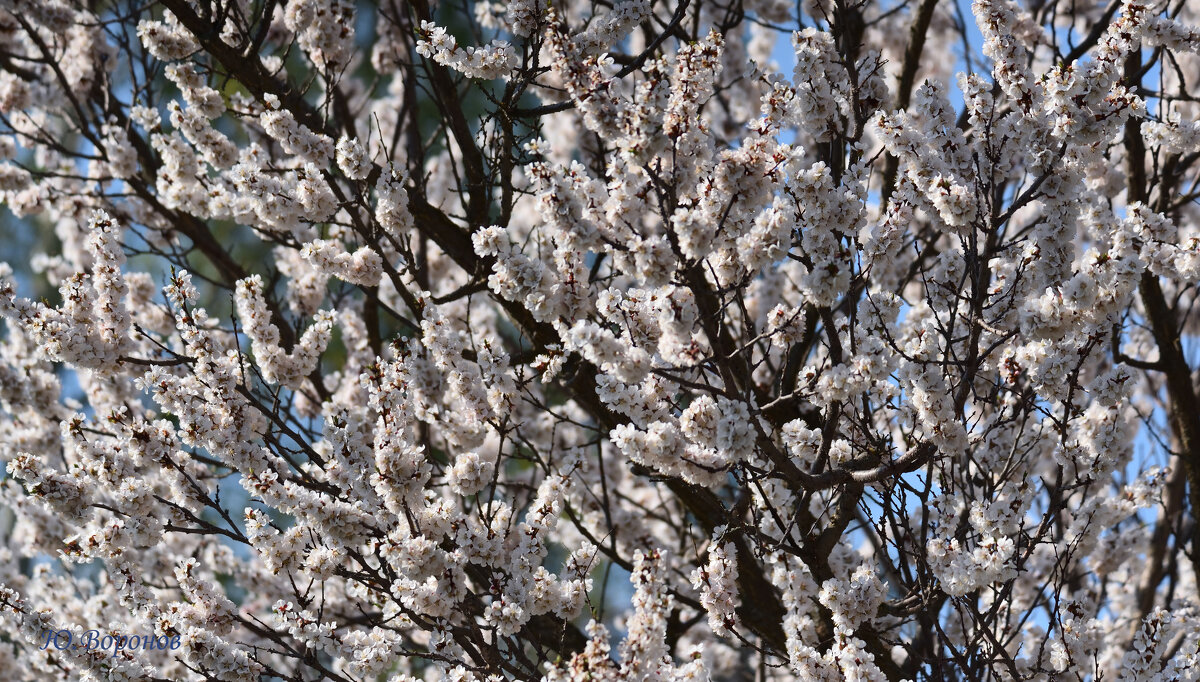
x=486 y=63
x=278 y=365
x=717 y=583
x=325 y=30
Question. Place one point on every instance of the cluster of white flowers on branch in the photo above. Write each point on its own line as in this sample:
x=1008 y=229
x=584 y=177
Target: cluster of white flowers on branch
x=574 y=341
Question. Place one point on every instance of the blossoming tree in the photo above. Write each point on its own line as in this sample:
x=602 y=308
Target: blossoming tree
x=571 y=340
